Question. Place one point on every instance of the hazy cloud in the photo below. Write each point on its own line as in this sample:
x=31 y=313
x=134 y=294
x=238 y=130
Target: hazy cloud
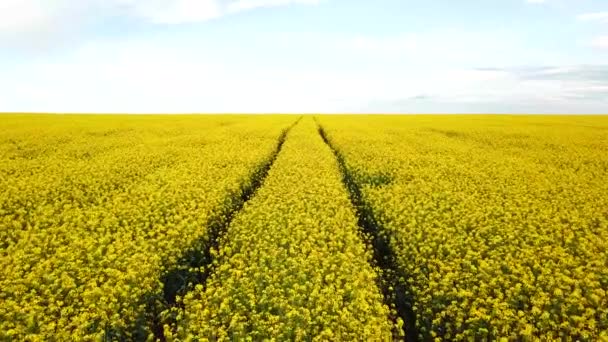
x=563 y=84
x=25 y=20
x=600 y=42
x=536 y=89
x=589 y=73
x=595 y=16
x=442 y=46
x=431 y=68
x=187 y=11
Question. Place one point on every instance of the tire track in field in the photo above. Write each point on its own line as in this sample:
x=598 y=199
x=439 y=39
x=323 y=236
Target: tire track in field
x=396 y=294
x=196 y=265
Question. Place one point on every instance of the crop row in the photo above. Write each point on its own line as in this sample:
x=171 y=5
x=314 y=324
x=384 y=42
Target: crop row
x=293 y=264
x=88 y=232
x=500 y=224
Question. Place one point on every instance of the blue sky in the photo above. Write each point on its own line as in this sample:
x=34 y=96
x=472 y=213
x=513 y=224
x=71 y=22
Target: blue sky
x=401 y=56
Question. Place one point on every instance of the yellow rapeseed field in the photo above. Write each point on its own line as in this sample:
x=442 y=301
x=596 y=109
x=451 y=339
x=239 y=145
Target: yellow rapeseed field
x=292 y=266
x=275 y=227
x=93 y=210
x=499 y=224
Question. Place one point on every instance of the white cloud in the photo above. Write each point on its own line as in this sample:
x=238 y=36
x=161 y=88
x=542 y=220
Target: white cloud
x=536 y=1
x=243 y=5
x=600 y=42
x=177 y=11
x=139 y=76
x=39 y=16
x=35 y=24
x=399 y=44
x=144 y=77
x=596 y=16
x=449 y=47
x=19 y=15
x=187 y=11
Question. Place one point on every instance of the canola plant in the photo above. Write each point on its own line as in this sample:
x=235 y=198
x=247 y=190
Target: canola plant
x=93 y=211
x=499 y=224
x=497 y=227
x=292 y=266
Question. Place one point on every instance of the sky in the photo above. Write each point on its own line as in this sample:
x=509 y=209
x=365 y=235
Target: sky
x=304 y=56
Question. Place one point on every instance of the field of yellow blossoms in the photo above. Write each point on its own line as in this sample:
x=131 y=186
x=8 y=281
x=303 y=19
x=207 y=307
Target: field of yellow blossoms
x=303 y=228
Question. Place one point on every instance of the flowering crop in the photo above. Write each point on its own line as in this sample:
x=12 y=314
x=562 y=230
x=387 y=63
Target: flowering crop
x=500 y=224
x=292 y=265
x=95 y=209
x=491 y=227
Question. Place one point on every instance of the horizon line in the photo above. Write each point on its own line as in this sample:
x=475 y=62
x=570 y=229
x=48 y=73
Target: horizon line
x=292 y=113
